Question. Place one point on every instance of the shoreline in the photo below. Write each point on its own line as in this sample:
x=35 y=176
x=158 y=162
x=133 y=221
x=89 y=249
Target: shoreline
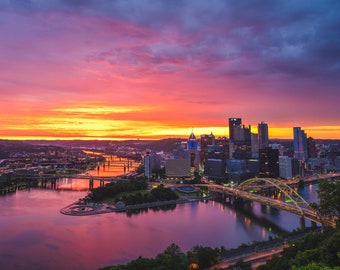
x=80 y=208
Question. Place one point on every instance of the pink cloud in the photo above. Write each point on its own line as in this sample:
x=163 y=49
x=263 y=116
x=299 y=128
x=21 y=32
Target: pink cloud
x=190 y=69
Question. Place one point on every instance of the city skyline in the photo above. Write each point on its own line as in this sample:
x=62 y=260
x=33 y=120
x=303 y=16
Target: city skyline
x=158 y=69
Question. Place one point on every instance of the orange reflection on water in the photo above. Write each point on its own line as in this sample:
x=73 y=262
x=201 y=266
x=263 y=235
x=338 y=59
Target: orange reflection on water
x=247 y=222
x=112 y=166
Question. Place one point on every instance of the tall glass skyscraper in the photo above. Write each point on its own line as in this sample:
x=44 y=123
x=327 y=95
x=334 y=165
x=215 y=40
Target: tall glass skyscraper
x=300 y=144
x=263 y=135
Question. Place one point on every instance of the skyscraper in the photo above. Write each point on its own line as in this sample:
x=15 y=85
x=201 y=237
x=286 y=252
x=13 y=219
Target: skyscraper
x=254 y=145
x=206 y=141
x=263 y=135
x=312 y=152
x=193 y=151
x=300 y=144
x=269 y=162
x=233 y=123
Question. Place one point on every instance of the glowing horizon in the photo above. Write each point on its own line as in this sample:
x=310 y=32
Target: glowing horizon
x=135 y=70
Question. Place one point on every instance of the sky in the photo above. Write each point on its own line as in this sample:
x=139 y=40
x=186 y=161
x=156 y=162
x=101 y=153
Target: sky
x=144 y=69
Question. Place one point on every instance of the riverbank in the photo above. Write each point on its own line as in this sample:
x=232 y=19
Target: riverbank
x=84 y=208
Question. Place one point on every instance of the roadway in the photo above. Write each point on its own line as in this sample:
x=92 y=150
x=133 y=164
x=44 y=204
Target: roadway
x=257 y=253
x=290 y=207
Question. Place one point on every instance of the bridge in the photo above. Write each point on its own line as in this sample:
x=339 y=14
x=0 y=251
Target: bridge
x=293 y=203
x=77 y=176
x=91 y=178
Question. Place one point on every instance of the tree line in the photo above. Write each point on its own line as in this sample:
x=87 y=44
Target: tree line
x=173 y=258
x=130 y=192
x=113 y=189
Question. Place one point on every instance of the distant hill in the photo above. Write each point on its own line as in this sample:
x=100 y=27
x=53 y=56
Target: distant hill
x=166 y=145
x=141 y=145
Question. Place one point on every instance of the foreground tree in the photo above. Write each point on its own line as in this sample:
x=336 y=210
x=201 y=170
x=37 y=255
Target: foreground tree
x=240 y=265
x=204 y=256
x=329 y=196
x=315 y=251
x=171 y=258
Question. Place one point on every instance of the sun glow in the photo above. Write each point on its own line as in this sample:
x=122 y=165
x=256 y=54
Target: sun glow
x=100 y=109
x=100 y=121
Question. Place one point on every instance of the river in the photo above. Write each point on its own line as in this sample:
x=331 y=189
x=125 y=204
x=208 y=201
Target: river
x=35 y=235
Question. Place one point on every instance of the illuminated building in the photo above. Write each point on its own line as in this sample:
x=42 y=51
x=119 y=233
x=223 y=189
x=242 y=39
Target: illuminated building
x=240 y=139
x=206 y=141
x=223 y=148
x=192 y=142
x=193 y=151
x=269 y=162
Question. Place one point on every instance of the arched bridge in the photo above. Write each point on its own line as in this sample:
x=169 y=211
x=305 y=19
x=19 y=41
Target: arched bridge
x=293 y=203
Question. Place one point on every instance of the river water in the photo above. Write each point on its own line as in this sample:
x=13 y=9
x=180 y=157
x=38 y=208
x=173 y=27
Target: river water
x=35 y=235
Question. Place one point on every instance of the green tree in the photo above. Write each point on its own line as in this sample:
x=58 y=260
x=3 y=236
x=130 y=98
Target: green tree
x=329 y=249
x=305 y=257
x=197 y=177
x=142 y=264
x=171 y=258
x=240 y=265
x=277 y=262
x=140 y=169
x=204 y=256
x=329 y=195
x=314 y=266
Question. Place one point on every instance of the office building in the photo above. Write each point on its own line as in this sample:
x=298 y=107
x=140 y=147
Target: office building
x=178 y=168
x=194 y=152
x=237 y=170
x=269 y=162
x=152 y=162
x=263 y=135
x=240 y=139
x=233 y=123
x=206 y=141
x=300 y=144
x=214 y=168
x=254 y=145
x=311 y=146
x=285 y=164
x=253 y=166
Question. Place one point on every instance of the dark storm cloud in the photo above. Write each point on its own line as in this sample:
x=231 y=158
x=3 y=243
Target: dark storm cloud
x=289 y=37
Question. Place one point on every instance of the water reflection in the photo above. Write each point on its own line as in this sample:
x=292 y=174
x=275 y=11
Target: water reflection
x=164 y=208
x=111 y=166
x=34 y=235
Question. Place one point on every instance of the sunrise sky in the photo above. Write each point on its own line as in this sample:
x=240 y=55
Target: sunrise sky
x=119 y=69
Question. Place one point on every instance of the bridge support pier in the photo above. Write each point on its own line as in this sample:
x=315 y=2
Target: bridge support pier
x=54 y=183
x=101 y=183
x=91 y=183
x=302 y=222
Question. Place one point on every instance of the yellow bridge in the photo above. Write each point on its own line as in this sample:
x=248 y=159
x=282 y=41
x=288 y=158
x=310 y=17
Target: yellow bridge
x=294 y=203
